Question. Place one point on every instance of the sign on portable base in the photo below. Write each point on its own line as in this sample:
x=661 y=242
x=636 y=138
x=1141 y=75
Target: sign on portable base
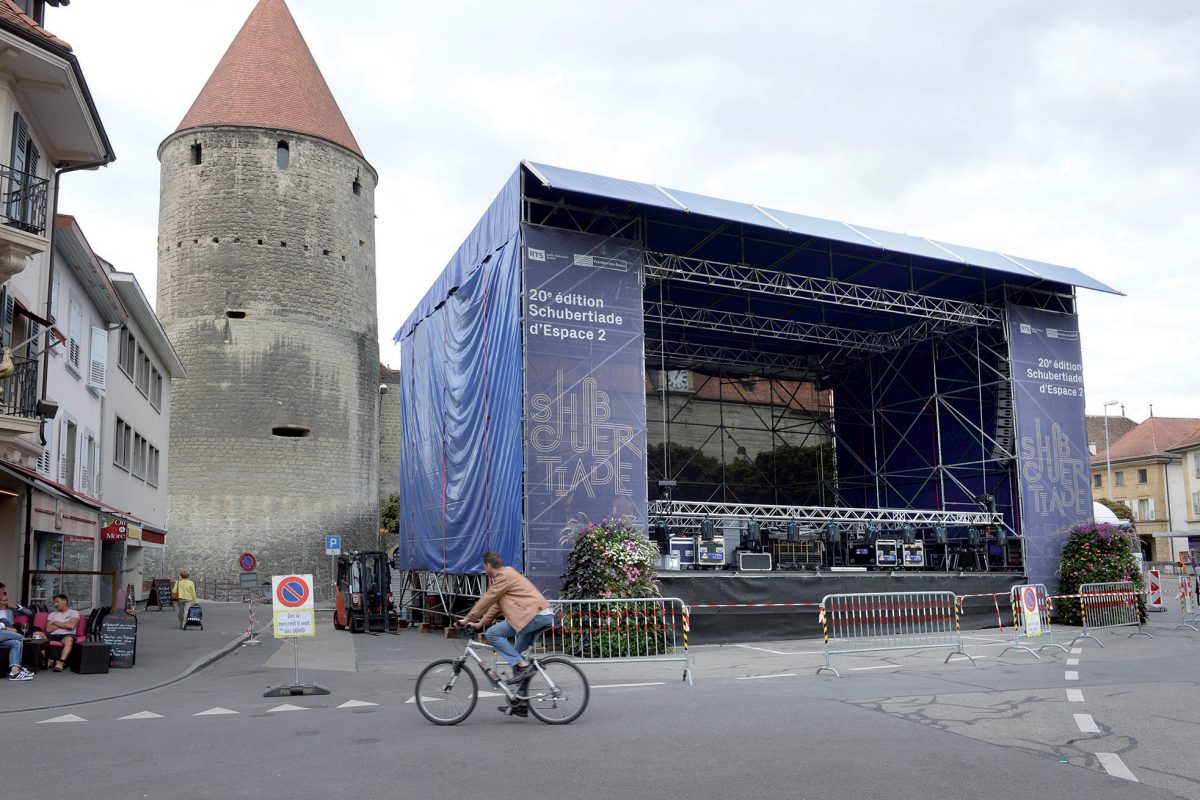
x=293 y=615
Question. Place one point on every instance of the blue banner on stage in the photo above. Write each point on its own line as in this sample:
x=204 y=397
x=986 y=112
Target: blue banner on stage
x=1051 y=433
x=585 y=390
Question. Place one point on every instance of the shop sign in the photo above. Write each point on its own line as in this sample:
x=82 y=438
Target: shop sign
x=113 y=529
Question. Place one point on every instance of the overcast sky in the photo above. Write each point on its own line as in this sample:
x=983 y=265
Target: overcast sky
x=1067 y=132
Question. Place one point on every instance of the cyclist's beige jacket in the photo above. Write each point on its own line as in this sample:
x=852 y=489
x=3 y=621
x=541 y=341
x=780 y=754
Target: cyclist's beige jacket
x=512 y=595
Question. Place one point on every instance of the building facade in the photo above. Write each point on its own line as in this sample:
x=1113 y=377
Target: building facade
x=1148 y=477
x=48 y=127
x=266 y=288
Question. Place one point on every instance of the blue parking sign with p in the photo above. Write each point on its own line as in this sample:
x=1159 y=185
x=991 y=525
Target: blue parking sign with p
x=333 y=544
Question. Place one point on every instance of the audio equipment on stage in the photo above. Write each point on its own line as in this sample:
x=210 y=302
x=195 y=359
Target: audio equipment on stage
x=861 y=555
x=887 y=553
x=754 y=562
x=914 y=554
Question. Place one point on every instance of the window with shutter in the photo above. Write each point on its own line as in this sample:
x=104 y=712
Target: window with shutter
x=98 y=360
x=74 y=331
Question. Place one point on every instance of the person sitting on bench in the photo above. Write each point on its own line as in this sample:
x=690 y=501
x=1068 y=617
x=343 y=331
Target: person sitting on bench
x=61 y=625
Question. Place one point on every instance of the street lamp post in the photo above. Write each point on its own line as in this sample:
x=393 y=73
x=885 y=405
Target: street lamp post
x=1108 y=487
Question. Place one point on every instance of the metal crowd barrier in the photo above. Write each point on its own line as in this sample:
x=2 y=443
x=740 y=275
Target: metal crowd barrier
x=861 y=623
x=1187 y=605
x=642 y=629
x=1108 y=605
x=1031 y=617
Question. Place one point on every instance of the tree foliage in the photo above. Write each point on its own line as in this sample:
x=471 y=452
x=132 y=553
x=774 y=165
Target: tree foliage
x=1095 y=553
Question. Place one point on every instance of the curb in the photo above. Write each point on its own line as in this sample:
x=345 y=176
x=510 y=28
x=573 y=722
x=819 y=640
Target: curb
x=191 y=669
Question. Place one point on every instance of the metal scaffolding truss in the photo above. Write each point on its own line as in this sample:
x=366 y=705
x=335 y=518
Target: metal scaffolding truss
x=695 y=512
x=742 y=277
x=690 y=354
x=849 y=340
x=440 y=593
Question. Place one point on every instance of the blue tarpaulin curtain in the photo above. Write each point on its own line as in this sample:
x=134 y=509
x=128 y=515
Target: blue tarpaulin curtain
x=460 y=405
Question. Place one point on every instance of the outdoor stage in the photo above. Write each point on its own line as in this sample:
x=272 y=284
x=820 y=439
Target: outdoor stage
x=724 y=625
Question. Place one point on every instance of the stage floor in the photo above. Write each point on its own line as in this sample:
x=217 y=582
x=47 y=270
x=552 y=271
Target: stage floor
x=734 y=591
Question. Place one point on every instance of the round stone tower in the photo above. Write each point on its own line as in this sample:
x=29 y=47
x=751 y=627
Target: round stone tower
x=266 y=287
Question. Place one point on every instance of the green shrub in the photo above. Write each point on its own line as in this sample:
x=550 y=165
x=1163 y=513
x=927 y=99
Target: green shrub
x=1095 y=553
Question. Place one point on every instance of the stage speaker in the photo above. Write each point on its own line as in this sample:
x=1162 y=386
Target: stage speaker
x=833 y=534
x=939 y=534
x=752 y=532
x=661 y=535
x=1001 y=537
x=706 y=530
x=910 y=534
x=1002 y=447
x=754 y=562
x=973 y=537
x=793 y=532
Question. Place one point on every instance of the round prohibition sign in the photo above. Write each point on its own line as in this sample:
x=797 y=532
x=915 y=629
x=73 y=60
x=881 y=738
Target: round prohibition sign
x=1029 y=598
x=292 y=592
x=247 y=562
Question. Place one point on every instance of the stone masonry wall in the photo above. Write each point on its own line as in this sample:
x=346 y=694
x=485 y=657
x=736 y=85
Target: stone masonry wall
x=266 y=288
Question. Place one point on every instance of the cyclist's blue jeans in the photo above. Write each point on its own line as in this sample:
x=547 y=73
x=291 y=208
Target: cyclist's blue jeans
x=499 y=634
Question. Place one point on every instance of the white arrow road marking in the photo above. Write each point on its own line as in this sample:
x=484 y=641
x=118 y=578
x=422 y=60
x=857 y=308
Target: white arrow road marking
x=64 y=718
x=214 y=710
x=356 y=704
x=1114 y=766
x=286 y=707
x=1072 y=675
x=1086 y=723
x=761 y=677
x=1075 y=695
x=143 y=715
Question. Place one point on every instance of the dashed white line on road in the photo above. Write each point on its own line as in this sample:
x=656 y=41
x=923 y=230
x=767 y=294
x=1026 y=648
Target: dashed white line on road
x=1114 y=766
x=1071 y=662
x=881 y=666
x=628 y=685
x=1072 y=675
x=1086 y=724
x=760 y=677
x=781 y=652
x=1076 y=650
x=1075 y=695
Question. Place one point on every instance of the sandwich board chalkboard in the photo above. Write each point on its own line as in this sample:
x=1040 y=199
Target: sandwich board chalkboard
x=119 y=632
x=160 y=594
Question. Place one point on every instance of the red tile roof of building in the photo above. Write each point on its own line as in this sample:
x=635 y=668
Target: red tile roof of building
x=10 y=12
x=269 y=79
x=1154 y=437
x=1190 y=442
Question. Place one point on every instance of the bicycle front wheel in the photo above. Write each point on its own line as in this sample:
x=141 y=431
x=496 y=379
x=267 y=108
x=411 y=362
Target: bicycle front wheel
x=558 y=692
x=446 y=692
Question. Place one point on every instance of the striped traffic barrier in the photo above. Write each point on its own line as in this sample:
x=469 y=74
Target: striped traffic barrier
x=1109 y=604
x=640 y=629
x=1187 y=605
x=1031 y=607
x=862 y=623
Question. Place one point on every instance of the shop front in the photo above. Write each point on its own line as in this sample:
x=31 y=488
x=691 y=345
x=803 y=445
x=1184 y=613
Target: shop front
x=65 y=539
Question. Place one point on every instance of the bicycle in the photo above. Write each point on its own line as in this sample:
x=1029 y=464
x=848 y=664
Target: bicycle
x=447 y=691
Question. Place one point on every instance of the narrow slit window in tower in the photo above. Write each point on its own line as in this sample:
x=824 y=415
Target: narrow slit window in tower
x=291 y=431
x=356 y=186
x=232 y=314
x=281 y=155
x=197 y=153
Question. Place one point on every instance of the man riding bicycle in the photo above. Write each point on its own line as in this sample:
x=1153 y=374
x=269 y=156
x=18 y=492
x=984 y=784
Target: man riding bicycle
x=526 y=613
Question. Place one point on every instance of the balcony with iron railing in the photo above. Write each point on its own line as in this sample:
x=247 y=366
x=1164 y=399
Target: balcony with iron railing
x=19 y=402
x=24 y=200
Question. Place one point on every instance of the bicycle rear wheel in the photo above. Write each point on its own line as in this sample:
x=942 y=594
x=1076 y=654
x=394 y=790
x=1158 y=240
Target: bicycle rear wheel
x=558 y=693
x=446 y=692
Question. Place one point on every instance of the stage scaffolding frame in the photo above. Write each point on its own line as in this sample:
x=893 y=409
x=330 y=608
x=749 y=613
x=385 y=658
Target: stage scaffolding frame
x=969 y=334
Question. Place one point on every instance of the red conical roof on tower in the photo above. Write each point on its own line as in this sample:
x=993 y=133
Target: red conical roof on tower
x=269 y=79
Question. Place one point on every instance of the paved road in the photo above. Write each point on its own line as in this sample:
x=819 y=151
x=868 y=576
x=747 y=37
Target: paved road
x=757 y=723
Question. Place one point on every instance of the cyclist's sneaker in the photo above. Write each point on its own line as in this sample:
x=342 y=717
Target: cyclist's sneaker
x=515 y=711
x=522 y=674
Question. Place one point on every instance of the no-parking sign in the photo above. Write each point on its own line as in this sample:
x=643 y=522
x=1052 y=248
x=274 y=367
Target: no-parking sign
x=1030 y=613
x=292 y=605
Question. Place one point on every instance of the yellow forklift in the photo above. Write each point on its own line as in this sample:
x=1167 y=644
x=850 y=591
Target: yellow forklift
x=363 y=600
